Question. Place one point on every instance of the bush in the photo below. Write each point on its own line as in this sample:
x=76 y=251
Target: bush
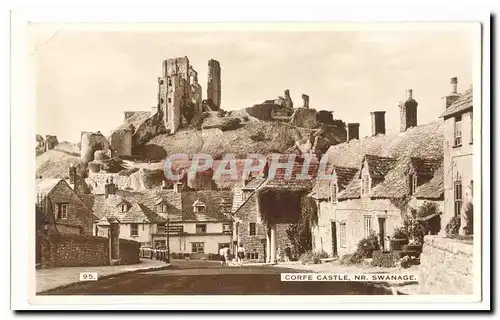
x=350 y=259
x=400 y=233
x=453 y=227
x=383 y=259
x=367 y=245
x=310 y=257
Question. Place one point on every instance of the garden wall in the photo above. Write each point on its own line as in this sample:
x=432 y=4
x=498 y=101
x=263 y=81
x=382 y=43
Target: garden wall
x=446 y=266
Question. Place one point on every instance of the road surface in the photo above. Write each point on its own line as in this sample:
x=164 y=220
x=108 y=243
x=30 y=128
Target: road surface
x=207 y=277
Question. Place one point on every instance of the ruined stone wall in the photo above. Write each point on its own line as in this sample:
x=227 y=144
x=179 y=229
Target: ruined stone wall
x=50 y=142
x=214 y=84
x=446 y=266
x=147 y=130
x=90 y=143
x=121 y=142
x=304 y=117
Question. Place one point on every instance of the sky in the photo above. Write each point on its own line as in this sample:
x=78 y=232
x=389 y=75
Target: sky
x=85 y=79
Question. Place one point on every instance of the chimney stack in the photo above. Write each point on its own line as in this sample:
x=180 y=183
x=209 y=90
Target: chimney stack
x=164 y=184
x=408 y=112
x=178 y=187
x=109 y=187
x=453 y=95
x=305 y=98
x=72 y=174
x=378 y=122
x=352 y=131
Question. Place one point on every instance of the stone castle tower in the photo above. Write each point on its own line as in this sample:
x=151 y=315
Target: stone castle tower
x=214 y=84
x=179 y=90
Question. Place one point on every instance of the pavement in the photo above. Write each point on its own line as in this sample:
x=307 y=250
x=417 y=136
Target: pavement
x=48 y=279
x=208 y=277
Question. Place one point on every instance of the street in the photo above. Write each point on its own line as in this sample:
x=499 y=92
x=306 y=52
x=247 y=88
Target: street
x=208 y=277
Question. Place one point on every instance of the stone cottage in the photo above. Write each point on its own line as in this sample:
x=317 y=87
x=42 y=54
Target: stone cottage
x=394 y=173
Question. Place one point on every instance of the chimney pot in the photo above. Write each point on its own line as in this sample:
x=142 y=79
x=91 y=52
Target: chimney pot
x=409 y=94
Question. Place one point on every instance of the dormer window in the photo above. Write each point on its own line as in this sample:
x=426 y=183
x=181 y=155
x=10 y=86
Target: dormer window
x=199 y=206
x=123 y=208
x=164 y=208
x=333 y=192
x=365 y=184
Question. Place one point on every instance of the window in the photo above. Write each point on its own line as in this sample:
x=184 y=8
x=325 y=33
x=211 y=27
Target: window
x=471 y=128
x=252 y=228
x=160 y=243
x=163 y=208
x=458 y=131
x=368 y=225
x=365 y=187
x=123 y=208
x=333 y=192
x=223 y=245
x=161 y=228
x=201 y=228
x=134 y=230
x=169 y=100
x=413 y=184
x=227 y=228
x=62 y=210
x=253 y=256
x=169 y=82
x=458 y=197
x=199 y=208
x=342 y=234
x=197 y=247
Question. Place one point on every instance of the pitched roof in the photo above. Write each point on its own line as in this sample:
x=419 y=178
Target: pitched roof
x=321 y=189
x=393 y=160
x=432 y=189
x=463 y=103
x=302 y=175
x=425 y=167
x=215 y=201
x=379 y=166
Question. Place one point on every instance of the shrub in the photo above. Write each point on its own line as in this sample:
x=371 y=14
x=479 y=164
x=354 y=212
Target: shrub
x=400 y=233
x=367 y=245
x=453 y=227
x=350 y=259
x=383 y=259
x=310 y=257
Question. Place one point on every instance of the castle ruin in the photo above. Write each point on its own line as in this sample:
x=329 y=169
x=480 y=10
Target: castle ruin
x=180 y=94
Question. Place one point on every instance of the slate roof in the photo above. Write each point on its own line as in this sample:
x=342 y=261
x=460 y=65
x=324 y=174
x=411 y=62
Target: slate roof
x=461 y=105
x=390 y=159
x=434 y=188
x=379 y=166
x=179 y=206
x=302 y=176
x=321 y=189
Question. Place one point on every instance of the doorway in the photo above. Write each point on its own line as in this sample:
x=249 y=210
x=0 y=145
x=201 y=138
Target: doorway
x=381 y=230
x=334 y=239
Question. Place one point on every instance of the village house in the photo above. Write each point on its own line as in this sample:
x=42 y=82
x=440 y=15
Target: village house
x=458 y=153
x=260 y=238
x=71 y=210
x=377 y=181
x=196 y=222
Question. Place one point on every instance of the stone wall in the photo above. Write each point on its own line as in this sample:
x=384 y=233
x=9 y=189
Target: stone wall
x=304 y=117
x=129 y=251
x=446 y=266
x=121 y=142
x=71 y=250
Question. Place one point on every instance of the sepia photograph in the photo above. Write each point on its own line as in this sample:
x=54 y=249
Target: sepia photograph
x=256 y=159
